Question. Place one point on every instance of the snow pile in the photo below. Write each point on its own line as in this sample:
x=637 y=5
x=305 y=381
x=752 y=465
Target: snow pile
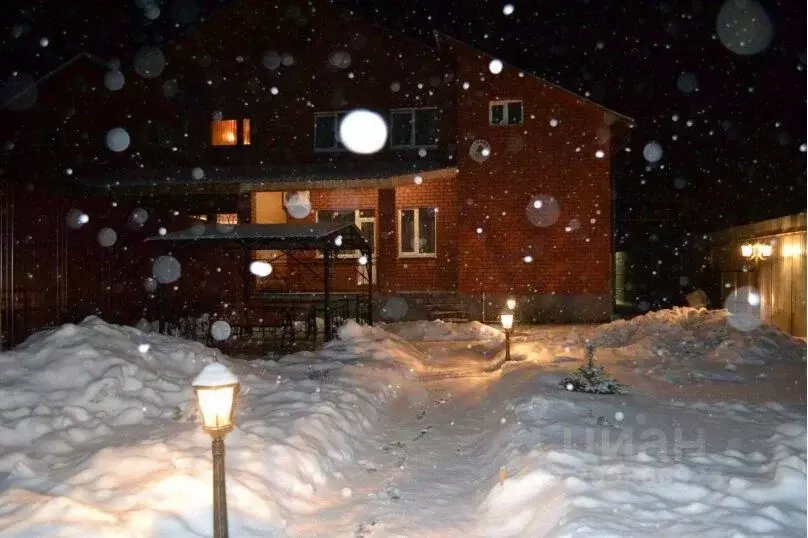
x=101 y=434
x=699 y=334
x=76 y=384
x=567 y=471
x=439 y=331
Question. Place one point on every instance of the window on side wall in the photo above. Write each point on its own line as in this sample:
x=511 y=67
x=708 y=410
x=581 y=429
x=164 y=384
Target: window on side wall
x=227 y=218
x=365 y=220
x=414 y=128
x=326 y=131
x=505 y=112
x=417 y=232
x=230 y=132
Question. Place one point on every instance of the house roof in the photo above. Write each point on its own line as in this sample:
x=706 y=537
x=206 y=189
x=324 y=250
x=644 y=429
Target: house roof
x=628 y=120
x=310 y=236
x=82 y=56
x=277 y=175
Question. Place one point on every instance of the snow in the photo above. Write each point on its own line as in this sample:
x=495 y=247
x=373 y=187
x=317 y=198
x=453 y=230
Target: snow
x=214 y=375
x=101 y=434
x=444 y=331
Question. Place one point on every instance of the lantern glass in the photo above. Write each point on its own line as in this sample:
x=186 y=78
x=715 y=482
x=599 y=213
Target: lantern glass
x=765 y=250
x=216 y=404
x=747 y=250
x=507 y=321
x=511 y=304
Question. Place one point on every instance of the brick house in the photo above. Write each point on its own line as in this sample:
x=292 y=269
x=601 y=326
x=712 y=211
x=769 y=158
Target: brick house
x=489 y=186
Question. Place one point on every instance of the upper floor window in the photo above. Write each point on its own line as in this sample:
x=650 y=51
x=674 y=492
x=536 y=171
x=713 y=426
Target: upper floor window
x=505 y=112
x=414 y=128
x=326 y=131
x=230 y=132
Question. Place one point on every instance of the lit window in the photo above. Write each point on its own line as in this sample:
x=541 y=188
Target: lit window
x=227 y=218
x=203 y=218
x=326 y=129
x=416 y=232
x=505 y=112
x=414 y=128
x=230 y=132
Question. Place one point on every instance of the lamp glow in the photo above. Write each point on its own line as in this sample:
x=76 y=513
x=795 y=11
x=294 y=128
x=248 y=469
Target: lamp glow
x=765 y=250
x=747 y=250
x=507 y=321
x=511 y=303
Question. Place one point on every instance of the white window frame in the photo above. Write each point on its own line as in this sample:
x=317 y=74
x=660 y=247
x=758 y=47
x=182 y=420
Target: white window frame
x=412 y=143
x=504 y=104
x=338 y=147
x=416 y=229
x=357 y=221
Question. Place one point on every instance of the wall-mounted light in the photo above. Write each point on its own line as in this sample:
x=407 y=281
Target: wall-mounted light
x=756 y=251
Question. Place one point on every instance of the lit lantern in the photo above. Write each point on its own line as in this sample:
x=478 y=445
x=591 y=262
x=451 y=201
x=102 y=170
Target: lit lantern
x=747 y=251
x=511 y=304
x=507 y=321
x=216 y=389
x=765 y=250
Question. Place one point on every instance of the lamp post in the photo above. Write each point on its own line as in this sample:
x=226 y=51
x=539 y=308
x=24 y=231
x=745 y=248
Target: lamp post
x=216 y=389
x=507 y=325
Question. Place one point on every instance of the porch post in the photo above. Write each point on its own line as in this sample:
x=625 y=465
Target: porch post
x=370 y=288
x=327 y=294
x=387 y=244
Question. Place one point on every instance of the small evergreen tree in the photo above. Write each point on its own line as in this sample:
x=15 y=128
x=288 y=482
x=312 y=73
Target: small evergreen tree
x=591 y=378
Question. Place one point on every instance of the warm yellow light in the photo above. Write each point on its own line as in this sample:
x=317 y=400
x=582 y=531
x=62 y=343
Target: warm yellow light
x=792 y=250
x=506 y=320
x=747 y=250
x=216 y=404
x=511 y=304
x=216 y=388
x=765 y=250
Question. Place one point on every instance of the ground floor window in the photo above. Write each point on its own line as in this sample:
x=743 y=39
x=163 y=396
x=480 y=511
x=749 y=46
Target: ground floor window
x=417 y=231
x=365 y=220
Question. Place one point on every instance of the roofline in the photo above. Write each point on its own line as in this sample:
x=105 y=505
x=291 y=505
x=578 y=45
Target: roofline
x=61 y=67
x=438 y=34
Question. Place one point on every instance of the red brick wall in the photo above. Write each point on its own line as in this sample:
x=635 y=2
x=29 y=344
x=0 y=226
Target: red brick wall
x=528 y=160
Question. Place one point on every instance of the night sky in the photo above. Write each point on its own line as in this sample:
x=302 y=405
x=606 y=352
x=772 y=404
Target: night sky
x=731 y=148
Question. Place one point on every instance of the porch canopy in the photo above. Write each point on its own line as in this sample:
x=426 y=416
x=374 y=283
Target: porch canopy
x=327 y=237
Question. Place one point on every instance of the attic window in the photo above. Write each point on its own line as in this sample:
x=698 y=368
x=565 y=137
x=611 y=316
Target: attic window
x=505 y=112
x=230 y=132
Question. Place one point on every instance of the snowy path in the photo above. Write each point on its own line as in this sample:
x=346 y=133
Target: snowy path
x=430 y=467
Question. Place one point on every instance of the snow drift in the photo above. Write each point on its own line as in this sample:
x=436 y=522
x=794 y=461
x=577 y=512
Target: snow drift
x=100 y=436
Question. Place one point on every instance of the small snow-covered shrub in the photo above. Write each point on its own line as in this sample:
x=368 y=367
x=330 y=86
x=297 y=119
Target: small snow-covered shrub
x=592 y=379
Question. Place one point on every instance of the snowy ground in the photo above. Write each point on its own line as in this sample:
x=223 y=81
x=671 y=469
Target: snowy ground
x=376 y=436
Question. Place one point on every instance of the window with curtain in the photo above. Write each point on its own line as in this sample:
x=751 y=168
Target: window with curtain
x=230 y=132
x=417 y=232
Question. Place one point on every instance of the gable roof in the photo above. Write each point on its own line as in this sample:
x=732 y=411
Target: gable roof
x=82 y=56
x=626 y=119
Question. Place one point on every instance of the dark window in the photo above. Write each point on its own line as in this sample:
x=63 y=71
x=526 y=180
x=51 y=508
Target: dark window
x=414 y=128
x=408 y=231
x=402 y=129
x=505 y=112
x=325 y=131
x=515 y=113
x=364 y=219
x=426 y=127
x=497 y=114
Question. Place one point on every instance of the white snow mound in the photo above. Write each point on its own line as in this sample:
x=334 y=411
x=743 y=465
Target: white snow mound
x=443 y=331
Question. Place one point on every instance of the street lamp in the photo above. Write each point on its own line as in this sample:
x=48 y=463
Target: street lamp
x=507 y=325
x=511 y=303
x=216 y=389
